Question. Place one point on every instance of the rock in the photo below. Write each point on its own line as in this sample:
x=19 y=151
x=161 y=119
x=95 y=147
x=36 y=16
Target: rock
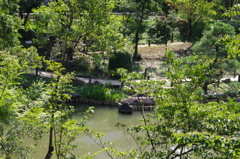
x=125 y=108
x=147 y=101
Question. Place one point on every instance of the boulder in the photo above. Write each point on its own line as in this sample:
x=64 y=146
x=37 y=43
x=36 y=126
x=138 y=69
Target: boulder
x=147 y=101
x=125 y=108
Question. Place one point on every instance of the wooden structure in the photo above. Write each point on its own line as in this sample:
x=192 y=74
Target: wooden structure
x=143 y=108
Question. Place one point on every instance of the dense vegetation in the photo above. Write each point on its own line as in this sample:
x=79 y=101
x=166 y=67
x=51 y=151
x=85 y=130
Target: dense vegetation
x=62 y=36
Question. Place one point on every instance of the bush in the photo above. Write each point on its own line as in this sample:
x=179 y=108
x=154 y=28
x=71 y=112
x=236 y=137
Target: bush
x=80 y=64
x=120 y=59
x=99 y=92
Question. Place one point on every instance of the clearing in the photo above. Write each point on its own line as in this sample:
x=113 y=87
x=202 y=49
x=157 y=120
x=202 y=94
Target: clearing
x=153 y=57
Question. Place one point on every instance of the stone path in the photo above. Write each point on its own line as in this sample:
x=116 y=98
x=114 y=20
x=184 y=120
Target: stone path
x=114 y=83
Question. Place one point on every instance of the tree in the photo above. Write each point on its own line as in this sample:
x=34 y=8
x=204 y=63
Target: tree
x=26 y=7
x=19 y=114
x=182 y=126
x=135 y=13
x=9 y=24
x=163 y=27
x=194 y=11
x=210 y=48
x=76 y=26
x=62 y=130
x=233 y=40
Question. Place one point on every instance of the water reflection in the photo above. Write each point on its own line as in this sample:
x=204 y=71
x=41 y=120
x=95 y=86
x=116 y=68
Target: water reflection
x=103 y=120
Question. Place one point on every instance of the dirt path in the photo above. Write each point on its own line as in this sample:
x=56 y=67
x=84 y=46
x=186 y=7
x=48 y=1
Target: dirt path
x=157 y=52
x=153 y=57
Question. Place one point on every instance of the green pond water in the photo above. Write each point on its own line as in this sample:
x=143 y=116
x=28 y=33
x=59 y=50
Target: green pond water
x=103 y=120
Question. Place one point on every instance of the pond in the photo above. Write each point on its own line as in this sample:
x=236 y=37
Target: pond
x=103 y=120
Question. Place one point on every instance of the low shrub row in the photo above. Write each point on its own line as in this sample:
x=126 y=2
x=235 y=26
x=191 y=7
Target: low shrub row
x=99 y=92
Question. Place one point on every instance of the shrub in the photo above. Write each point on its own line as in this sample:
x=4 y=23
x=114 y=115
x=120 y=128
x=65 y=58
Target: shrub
x=80 y=64
x=120 y=59
x=99 y=92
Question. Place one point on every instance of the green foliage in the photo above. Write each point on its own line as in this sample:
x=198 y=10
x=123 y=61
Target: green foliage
x=195 y=11
x=233 y=11
x=101 y=93
x=62 y=129
x=99 y=64
x=198 y=30
x=182 y=126
x=161 y=29
x=14 y=63
x=232 y=90
x=135 y=24
x=21 y=117
x=76 y=25
x=233 y=41
x=212 y=49
x=9 y=24
x=80 y=64
x=120 y=59
x=209 y=42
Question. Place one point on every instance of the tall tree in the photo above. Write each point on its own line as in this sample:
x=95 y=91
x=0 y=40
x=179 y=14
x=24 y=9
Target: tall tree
x=18 y=112
x=233 y=41
x=135 y=13
x=62 y=129
x=26 y=7
x=163 y=27
x=194 y=11
x=75 y=25
x=9 y=24
x=182 y=126
x=211 y=48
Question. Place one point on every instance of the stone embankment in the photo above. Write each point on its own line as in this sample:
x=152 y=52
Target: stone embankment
x=138 y=102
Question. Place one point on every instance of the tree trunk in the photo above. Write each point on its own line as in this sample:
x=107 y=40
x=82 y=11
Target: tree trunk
x=205 y=87
x=190 y=29
x=70 y=53
x=172 y=37
x=149 y=42
x=139 y=25
x=229 y=3
x=36 y=71
x=166 y=39
x=28 y=13
x=50 y=146
x=26 y=18
x=136 y=44
x=184 y=38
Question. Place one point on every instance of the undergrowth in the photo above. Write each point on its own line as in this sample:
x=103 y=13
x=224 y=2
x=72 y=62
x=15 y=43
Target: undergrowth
x=99 y=92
